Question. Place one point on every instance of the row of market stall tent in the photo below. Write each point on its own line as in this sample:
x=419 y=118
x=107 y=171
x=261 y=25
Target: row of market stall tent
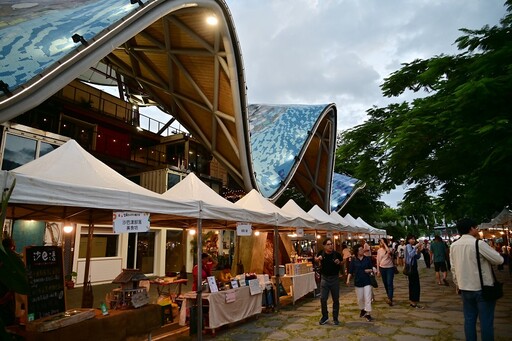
x=71 y=184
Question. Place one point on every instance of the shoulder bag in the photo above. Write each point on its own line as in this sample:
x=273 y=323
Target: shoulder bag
x=373 y=280
x=407 y=269
x=489 y=293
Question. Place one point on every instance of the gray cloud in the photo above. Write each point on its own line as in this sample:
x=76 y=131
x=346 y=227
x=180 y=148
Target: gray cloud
x=305 y=51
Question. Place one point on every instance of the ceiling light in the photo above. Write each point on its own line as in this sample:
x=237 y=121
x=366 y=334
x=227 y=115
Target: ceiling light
x=212 y=20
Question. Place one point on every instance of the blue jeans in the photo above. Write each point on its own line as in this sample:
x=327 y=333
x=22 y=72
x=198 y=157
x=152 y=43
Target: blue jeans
x=388 y=274
x=330 y=284
x=474 y=306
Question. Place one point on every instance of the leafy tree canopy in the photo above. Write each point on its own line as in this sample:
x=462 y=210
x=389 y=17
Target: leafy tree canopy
x=456 y=141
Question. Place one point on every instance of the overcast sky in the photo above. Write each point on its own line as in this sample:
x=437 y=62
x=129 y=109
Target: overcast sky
x=339 y=51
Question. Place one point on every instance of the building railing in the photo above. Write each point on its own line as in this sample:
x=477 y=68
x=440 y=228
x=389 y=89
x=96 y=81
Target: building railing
x=94 y=99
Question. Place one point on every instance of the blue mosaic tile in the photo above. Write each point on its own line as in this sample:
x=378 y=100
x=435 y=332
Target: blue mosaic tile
x=40 y=36
x=342 y=187
x=278 y=133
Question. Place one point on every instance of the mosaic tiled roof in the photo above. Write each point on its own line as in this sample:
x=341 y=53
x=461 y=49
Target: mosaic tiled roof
x=165 y=53
x=343 y=188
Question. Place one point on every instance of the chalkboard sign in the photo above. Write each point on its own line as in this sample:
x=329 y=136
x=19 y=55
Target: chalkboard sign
x=46 y=279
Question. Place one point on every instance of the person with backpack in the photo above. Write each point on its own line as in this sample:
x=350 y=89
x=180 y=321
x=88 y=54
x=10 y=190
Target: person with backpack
x=330 y=262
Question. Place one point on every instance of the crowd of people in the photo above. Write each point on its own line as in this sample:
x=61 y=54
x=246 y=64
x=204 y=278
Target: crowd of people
x=359 y=264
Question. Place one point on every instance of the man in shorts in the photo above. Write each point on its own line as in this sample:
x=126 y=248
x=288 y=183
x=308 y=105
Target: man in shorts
x=438 y=254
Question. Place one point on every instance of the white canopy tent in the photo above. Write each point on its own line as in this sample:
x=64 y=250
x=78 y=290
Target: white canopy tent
x=353 y=222
x=254 y=201
x=346 y=225
x=373 y=230
x=503 y=219
x=71 y=177
x=293 y=209
x=323 y=217
x=70 y=184
x=210 y=205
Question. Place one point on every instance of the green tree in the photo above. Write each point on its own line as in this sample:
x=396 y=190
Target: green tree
x=455 y=141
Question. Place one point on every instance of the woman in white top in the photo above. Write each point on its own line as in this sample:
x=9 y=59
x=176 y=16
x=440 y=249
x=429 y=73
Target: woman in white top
x=386 y=268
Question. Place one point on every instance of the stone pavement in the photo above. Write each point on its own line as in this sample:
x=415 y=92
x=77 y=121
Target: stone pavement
x=441 y=319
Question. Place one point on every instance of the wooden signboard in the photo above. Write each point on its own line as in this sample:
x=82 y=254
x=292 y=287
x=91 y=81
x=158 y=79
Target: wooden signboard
x=46 y=279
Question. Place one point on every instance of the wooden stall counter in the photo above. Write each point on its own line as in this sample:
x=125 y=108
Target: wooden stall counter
x=121 y=325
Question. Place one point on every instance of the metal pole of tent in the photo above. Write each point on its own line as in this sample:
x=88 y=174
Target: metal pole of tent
x=85 y=295
x=199 y=279
x=276 y=265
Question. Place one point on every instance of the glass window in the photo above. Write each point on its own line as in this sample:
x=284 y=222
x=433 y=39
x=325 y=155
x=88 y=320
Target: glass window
x=145 y=251
x=18 y=151
x=103 y=245
x=172 y=179
x=45 y=148
x=174 y=251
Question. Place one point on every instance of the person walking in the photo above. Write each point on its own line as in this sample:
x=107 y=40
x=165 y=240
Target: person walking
x=367 y=248
x=466 y=277
x=386 y=268
x=361 y=267
x=438 y=253
x=346 y=253
x=330 y=262
x=412 y=254
x=426 y=253
x=401 y=253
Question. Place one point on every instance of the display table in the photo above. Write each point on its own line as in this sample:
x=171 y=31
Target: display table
x=221 y=313
x=121 y=325
x=300 y=284
x=169 y=288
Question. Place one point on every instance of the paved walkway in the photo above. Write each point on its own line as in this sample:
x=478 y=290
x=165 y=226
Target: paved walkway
x=441 y=319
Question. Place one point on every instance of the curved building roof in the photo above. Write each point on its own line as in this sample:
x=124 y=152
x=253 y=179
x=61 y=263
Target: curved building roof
x=165 y=53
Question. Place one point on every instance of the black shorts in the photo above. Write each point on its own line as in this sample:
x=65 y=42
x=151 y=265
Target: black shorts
x=440 y=266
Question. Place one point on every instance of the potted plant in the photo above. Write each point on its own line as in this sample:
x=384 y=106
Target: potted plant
x=70 y=280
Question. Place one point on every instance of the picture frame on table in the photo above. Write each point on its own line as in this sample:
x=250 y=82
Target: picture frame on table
x=212 y=283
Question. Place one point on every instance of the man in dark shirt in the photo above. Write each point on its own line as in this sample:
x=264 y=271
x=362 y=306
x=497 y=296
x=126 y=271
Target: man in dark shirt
x=330 y=262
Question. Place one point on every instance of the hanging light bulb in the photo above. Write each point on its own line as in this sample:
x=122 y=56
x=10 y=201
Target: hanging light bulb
x=68 y=227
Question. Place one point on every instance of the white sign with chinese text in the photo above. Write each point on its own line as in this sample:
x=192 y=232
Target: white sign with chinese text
x=243 y=229
x=130 y=222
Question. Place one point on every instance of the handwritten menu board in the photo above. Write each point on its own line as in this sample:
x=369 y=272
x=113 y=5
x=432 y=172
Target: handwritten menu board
x=46 y=278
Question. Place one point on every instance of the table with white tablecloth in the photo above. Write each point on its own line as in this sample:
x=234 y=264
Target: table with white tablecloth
x=240 y=306
x=300 y=285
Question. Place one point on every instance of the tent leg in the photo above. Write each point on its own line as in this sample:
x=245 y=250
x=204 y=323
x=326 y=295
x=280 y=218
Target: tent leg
x=276 y=265
x=199 y=280
x=85 y=293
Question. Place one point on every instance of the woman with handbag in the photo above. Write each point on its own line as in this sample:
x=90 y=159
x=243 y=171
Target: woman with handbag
x=361 y=268
x=386 y=268
x=412 y=254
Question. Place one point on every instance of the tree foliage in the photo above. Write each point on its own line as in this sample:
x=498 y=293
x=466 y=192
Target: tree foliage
x=456 y=140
